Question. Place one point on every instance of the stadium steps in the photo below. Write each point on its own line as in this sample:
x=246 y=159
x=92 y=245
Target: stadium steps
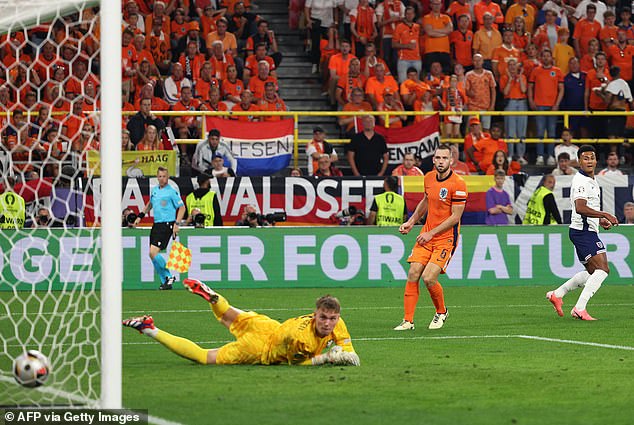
x=300 y=89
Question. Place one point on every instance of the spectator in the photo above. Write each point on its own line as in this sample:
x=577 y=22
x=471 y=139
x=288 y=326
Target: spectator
x=461 y=41
x=353 y=79
x=338 y=66
x=325 y=167
x=608 y=33
x=412 y=88
x=574 y=94
x=586 y=29
x=218 y=167
x=356 y=104
x=523 y=9
x=435 y=79
x=150 y=140
x=562 y=10
x=454 y=99
x=266 y=36
x=618 y=97
x=251 y=64
x=502 y=163
x=193 y=34
x=367 y=151
x=159 y=13
x=546 y=34
x=159 y=45
x=375 y=86
x=207 y=149
x=486 y=40
x=567 y=146
x=388 y=208
x=563 y=166
x=427 y=103
x=457 y=9
x=126 y=143
x=245 y=105
x=503 y=54
x=192 y=61
x=612 y=168
x=187 y=127
x=320 y=15
x=581 y=10
x=156 y=103
x=521 y=37
x=621 y=53
x=484 y=7
x=390 y=103
x=363 y=26
x=480 y=89
x=545 y=92
x=242 y=24
x=408 y=167
x=406 y=41
x=178 y=27
x=221 y=61
x=295 y=172
x=478 y=146
x=514 y=86
x=317 y=147
x=271 y=102
x=257 y=83
x=628 y=213
x=175 y=83
x=542 y=207
x=203 y=85
x=437 y=27
x=214 y=103
x=458 y=166
x=232 y=87
x=389 y=14
x=563 y=52
x=498 y=202
x=142 y=119
x=596 y=80
x=588 y=60
x=370 y=60
x=229 y=42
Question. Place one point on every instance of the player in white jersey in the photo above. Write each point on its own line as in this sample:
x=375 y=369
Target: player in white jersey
x=585 y=197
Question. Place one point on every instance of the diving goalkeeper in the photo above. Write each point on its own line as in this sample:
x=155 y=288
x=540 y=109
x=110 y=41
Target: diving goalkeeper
x=314 y=339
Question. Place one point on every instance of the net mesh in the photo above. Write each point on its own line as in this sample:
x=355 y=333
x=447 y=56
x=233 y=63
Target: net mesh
x=50 y=260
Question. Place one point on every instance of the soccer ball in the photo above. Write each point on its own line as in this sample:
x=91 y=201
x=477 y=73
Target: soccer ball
x=31 y=369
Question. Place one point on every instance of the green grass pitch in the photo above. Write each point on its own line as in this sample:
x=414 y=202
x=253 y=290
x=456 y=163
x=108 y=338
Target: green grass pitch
x=503 y=357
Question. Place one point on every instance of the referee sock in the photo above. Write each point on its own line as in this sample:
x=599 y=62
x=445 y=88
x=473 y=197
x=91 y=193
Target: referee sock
x=577 y=281
x=220 y=307
x=592 y=286
x=181 y=346
x=410 y=299
x=160 y=265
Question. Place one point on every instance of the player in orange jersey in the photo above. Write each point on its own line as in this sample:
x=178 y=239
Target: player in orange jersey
x=444 y=202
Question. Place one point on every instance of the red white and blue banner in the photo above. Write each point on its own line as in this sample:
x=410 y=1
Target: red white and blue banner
x=261 y=148
x=421 y=139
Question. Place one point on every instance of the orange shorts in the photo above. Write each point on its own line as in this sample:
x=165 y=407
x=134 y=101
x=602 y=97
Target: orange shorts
x=438 y=252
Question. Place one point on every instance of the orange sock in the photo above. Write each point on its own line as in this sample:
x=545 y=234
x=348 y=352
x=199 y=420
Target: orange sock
x=438 y=297
x=410 y=299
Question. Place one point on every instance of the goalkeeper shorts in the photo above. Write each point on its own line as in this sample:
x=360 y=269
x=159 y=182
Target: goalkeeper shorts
x=252 y=332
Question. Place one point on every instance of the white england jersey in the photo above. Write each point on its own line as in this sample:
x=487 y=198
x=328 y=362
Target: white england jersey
x=584 y=187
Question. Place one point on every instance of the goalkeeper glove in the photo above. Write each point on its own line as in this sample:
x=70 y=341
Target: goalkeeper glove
x=337 y=356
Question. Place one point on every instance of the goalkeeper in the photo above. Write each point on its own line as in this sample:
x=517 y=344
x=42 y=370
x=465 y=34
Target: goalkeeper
x=314 y=339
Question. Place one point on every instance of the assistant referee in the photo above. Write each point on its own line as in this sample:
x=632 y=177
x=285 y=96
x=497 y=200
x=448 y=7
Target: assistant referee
x=168 y=212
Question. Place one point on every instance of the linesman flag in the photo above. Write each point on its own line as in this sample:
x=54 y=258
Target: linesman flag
x=180 y=258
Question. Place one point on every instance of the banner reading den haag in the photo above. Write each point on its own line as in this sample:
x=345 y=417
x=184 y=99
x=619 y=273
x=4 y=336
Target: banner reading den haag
x=338 y=256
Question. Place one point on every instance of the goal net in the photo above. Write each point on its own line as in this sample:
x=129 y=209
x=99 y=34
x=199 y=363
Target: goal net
x=50 y=220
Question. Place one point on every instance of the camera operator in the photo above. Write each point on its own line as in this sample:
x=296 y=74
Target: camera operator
x=202 y=205
x=128 y=217
x=42 y=219
x=251 y=218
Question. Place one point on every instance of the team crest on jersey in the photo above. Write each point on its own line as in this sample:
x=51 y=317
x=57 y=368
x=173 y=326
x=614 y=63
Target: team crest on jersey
x=443 y=193
x=552 y=73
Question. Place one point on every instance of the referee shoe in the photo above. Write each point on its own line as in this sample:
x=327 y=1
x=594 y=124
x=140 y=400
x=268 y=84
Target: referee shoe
x=168 y=284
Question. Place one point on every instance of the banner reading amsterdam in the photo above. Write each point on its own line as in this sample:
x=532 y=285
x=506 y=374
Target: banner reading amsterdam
x=137 y=163
x=421 y=139
x=261 y=148
x=350 y=256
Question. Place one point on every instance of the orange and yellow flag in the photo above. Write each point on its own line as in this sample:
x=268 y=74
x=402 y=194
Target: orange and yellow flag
x=180 y=258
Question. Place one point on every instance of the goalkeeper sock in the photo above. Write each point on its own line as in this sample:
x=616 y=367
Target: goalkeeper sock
x=592 y=286
x=220 y=307
x=438 y=297
x=410 y=299
x=577 y=281
x=181 y=346
x=160 y=267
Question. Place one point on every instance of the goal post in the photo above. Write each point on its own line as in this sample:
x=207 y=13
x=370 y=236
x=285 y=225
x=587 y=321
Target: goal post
x=61 y=288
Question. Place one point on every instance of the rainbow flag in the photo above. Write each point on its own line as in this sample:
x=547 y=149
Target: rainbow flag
x=477 y=186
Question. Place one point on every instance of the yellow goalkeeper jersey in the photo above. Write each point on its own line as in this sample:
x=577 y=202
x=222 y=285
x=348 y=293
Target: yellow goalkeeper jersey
x=295 y=341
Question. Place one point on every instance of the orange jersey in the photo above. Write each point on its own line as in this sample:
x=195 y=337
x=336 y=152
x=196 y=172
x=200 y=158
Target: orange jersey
x=406 y=34
x=546 y=84
x=516 y=88
x=252 y=64
x=493 y=8
x=437 y=44
x=244 y=118
x=502 y=55
x=462 y=50
x=231 y=89
x=584 y=31
x=256 y=85
x=276 y=104
x=594 y=101
x=339 y=64
x=441 y=196
x=622 y=58
x=364 y=20
x=347 y=84
x=376 y=88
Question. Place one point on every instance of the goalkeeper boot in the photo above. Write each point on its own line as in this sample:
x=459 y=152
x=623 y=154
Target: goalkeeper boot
x=405 y=326
x=140 y=323
x=581 y=314
x=195 y=286
x=168 y=284
x=556 y=302
x=439 y=320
